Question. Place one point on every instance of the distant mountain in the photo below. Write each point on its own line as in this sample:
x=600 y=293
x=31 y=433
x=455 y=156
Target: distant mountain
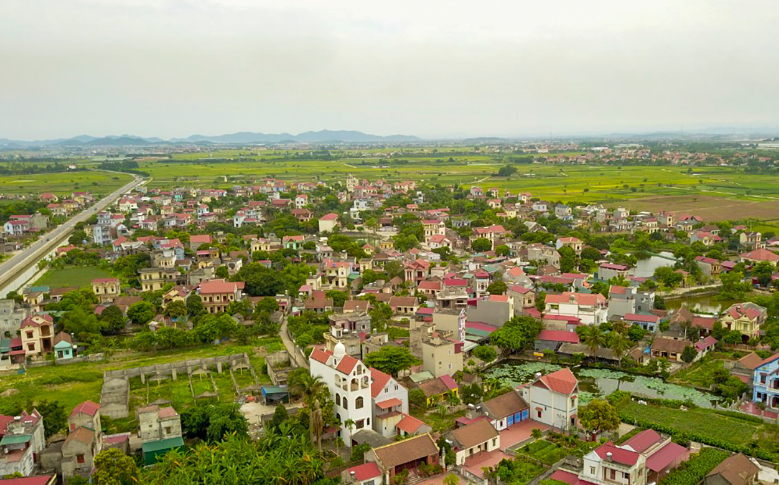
x=307 y=137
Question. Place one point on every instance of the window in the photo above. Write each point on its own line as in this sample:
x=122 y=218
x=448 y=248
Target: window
x=359 y=403
x=338 y=399
x=592 y=470
x=539 y=413
x=360 y=424
x=29 y=334
x=167 y=430
x=345 y=403
x=80 y=458
x=613 y=474
x=396 y=387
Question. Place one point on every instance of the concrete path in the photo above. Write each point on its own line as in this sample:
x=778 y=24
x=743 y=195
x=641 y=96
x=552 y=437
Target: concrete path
x=290 y=345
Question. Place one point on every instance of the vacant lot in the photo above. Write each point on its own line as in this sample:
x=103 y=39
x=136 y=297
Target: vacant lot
x=76 y=277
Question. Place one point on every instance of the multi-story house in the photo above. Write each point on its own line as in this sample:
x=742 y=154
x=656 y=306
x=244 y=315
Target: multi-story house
x=389 y=403
x=21 y=442
x=153 y=279
x=11 y=317
x=432 y=228
x=349 y=383
x=590 y=308
x=765 y=382
x=745 y=317
x=157 y=423
x=37 y=333
x=572 y=242
x=84 y=440
x=218 y=294
x=614 y=465
x=441 y=356
x=553 y=399
x=107 y=289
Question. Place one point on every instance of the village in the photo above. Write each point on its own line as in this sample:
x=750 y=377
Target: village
x=416 y=333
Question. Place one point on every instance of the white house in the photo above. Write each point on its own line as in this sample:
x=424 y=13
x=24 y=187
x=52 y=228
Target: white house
x=327 y=222
x=389 y=402
x=349 y=383
x=553 y=398
x=590 y=308
x=614 y=465
x=473 y=438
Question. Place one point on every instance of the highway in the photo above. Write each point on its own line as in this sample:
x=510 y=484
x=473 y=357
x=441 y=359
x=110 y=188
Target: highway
x=46 y=243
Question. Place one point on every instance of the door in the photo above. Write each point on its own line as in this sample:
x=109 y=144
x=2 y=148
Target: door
x=509 y=420
x=525 y=414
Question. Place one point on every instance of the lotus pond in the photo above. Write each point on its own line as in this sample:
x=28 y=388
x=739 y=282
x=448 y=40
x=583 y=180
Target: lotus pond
x=600 y=382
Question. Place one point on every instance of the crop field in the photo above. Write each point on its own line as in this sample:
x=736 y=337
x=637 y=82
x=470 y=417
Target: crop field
x=76 y=277
x=75 y=383
x=715 y=193
x=63 y=183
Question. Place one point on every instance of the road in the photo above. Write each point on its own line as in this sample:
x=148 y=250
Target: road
x=49 y=241
x=290 y=345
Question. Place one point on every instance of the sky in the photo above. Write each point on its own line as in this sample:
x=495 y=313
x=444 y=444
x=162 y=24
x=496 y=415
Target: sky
x=431 y=68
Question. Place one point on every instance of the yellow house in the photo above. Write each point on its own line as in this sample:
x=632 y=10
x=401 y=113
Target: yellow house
x=744 y=317
x=439 y=389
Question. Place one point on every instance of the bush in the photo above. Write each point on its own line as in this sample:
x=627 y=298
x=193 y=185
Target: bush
x=694 y=470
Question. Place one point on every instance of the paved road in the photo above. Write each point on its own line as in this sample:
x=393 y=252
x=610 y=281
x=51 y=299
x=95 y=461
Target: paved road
x=49 y=241
x=290 y=345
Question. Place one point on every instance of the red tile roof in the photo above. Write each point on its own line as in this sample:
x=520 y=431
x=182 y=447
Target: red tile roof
x=39 y=480
x=635 y=317
x=409 y=424
x=643 y=440
x=347 y=364
x=558 y=336
x=87 y=407
x=220 y=286
x=380 y=379
x=449 y=382
x=364 y=472
x=389 y=403
x=626 y=457
x=665 y=456
x=320 y=356
x=562 y=381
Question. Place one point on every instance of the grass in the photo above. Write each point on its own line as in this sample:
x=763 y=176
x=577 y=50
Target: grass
x=701 y=373
x=702 y=421
x=77 y=277
x=75 y=383
x=439 y=422
x=544 y=451
x=63 y=183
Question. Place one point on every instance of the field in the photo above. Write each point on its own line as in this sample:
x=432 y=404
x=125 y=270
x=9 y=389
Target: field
x=77 y=277
x=75 y=383
x=715 y=193
x=63 y=183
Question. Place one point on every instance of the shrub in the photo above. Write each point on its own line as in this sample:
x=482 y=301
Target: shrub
x=694 y=470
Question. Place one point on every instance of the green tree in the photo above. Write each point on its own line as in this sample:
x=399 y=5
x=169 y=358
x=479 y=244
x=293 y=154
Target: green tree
x=339 y=297
x=212 y=422
x=267 y=304
x=141 y=312
x=54 y=417
x=497 y=288
x=594 y=338
x=195 y=305
x=481 y=245
x=599 y=416
x=567 y=259
x=502 y=250
x=113 y=318
x=176 y=309
x=689 y=354
x=485 y=353
x=517 y=334
x=620 y=344
x=112 y=467
x=507 y=171
x=260 y=280
x=391 y=360
x=222 y=272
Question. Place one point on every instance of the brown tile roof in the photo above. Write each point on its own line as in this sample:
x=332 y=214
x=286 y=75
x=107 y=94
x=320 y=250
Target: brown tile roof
x=669 y=345
x=405 y=451
x=751 y=361
x=82 y=434
x=505 y=405
x=433 y=387
x=473 y=434
x=736 y=470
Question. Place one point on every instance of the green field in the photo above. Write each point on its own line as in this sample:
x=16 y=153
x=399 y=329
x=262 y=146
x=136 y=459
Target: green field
x=76 y=277
x=63 y=183
x=715 y=193
x=75 y=383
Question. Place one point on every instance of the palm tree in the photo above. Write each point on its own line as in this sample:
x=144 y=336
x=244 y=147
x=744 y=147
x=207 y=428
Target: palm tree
x=620 y=344
x=309 y=386
x=349 y=423
x=594 y=338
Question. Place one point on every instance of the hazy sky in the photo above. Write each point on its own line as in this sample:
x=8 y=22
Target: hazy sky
x=431 y=68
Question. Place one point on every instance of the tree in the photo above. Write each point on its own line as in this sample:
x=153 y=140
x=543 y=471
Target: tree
x=141 y=312
x=113 y=318
x=416 y=397
x=763 y=271
x=211 y=422
x=485 y=353
x=516 y=334
x=307 y=385
x=594 y=338
x=502 y=250
x=635 y=333
x=54 y=417
x=268 y=304
x=567 y=259
x=689 y=353
x=733 y=286
x=195 y=306
x=668 y=276
x=599 y=416
x=481 y=245
x=497 y=288
x=280 y=415
x=451 y=479
x=176 y=309
x=507 y=171
x=339 y=297
x=620 y=344
x=112 y=467
x=260 y=280
x=391 y=360
x=536 y=433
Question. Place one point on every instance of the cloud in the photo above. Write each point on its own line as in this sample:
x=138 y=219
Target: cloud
x=431 y=68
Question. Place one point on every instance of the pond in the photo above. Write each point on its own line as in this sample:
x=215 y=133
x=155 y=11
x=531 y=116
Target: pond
x=600 y=382
x=645 y=268
x=700 y=304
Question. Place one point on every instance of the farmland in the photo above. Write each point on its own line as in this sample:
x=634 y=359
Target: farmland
x=715 y=193
x=63 y=183
x=76 y=277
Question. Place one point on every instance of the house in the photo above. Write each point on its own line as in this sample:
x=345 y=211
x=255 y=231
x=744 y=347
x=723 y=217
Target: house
x=218 y=294
x=614 y=464
x=389 y=403
x=403 y=455
x=745 y=317
x=349 y=383
x=404 y=305
x=669 y=348
x=84 y=440
x=571 y=242
x=649 y=323
x=365 y=474
x=196 y=240
x=476 y=437
x=734 y=470
x=758 y=255
x=439 y=389
x=156 y=423
x=328 y=222
x=506 y=410
x=765 y=384
x=661 y=453
x=590 y=308
x=107 y=289
x=494 y=310
x=63 y=346
x=607 y=271
x=744 y=368
x=553 y=398
x=552 y=339
x=21 y=442
x=441 y=357
x=37 y=333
